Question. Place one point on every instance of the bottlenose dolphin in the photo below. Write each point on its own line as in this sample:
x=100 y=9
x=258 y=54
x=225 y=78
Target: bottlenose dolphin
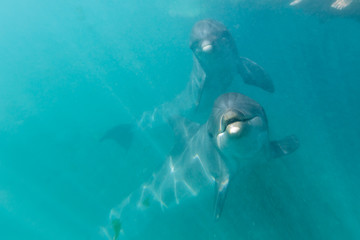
x=234 y=138
x=215 y=64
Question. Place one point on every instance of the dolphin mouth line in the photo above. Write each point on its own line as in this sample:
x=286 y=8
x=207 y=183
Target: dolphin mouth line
x=206 y=47
x=225 y=123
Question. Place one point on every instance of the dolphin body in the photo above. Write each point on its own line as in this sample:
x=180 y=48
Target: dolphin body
x=235 y=138
x=215 y=64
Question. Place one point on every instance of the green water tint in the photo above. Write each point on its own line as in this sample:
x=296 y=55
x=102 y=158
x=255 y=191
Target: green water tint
x=116 y=224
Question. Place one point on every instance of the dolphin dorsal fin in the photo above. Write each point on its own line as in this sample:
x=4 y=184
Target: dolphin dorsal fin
x=284 y=146
x=254 y=74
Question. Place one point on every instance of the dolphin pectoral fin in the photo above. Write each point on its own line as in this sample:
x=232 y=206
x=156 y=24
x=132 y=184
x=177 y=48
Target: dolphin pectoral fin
x=221 y=191
x=254 y=74
x=284 y=146
x=121 y=134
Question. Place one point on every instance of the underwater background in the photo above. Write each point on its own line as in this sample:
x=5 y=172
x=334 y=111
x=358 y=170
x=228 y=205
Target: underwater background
x=71 y=70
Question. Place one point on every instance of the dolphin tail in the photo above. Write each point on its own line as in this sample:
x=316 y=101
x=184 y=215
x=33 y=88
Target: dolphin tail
x=121 y=134
x=284 y=146
x=253 y=74
x=221 y=191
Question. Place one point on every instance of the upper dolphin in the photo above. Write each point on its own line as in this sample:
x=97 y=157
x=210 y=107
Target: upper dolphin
x=215 y=64
x=234 y=138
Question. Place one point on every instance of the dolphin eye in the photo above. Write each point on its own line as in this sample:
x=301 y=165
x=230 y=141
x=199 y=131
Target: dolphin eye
x=210 y=134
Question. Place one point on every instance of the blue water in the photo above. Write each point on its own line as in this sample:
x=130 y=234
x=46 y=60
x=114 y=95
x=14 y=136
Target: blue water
x=70 y=70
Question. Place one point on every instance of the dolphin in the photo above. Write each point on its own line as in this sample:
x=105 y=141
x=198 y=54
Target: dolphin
x=215 y=64
x=235 y=138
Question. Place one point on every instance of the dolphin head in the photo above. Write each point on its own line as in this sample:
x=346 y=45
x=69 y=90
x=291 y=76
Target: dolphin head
x=238 y=126
x=210 y=41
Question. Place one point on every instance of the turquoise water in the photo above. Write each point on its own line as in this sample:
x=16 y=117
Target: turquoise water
x=71 y=70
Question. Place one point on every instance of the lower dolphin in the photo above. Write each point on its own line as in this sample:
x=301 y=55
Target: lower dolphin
x=235 y=137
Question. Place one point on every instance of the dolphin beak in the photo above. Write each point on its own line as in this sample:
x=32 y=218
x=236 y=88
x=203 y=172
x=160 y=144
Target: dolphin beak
x=232 y=130
x=206 y=46
x=235 y=129
x=227 y=119
x=233 y=123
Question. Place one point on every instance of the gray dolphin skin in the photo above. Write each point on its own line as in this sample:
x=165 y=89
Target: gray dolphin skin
x=234 y=138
